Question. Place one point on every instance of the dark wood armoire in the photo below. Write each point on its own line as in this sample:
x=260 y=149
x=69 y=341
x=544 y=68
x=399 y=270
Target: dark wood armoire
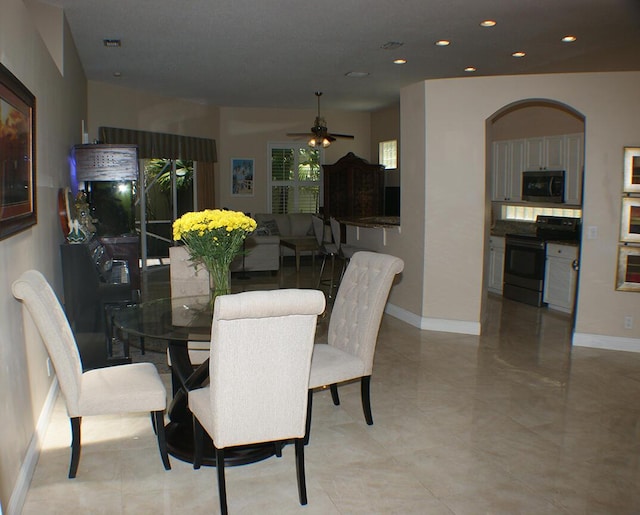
x=353 y=188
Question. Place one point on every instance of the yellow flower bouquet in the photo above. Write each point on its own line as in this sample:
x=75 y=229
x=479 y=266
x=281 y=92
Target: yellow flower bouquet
x=214 y=238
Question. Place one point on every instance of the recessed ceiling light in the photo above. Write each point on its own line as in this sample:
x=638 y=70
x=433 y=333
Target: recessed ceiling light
x=488 y=23
x=117 y=74
x=470 y=69
x=518 y=54
x=399 y=61
x=569 y=39
x=112 y=43
x=357 y=75
x=442 y=42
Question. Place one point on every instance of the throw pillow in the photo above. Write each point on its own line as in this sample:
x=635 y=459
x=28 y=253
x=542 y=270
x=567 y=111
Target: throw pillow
x=272 y=227
x=262 y=231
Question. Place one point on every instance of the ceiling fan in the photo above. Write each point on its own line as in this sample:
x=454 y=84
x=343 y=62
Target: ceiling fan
x=320 y=136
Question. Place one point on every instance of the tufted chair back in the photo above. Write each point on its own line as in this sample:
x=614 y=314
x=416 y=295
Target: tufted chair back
x=360 y=302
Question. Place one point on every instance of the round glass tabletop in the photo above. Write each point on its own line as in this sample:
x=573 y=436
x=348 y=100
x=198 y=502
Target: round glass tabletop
x=180 y=318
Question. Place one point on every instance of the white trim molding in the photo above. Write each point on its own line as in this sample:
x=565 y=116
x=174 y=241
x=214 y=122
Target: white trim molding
x=601 y=341
x=434 y=324
x=28 y=467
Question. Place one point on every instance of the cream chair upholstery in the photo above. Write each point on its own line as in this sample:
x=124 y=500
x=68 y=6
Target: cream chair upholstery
x=187 y=279
x=353 y=327
x=327 y=249
x=117 y=389
x=261 y=349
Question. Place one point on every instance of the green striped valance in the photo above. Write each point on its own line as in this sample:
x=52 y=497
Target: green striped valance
x=157 y=145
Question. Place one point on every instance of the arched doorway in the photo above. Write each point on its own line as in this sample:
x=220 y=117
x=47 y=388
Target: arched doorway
x=531 y=134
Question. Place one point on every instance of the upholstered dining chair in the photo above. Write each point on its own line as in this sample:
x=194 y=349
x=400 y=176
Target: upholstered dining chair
x=261 y=346
x=188 y=279
x=353 y=327
x=125 y=388
x=327 y=249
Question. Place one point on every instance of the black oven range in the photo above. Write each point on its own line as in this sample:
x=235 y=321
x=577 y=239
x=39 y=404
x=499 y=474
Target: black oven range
x=524 y=260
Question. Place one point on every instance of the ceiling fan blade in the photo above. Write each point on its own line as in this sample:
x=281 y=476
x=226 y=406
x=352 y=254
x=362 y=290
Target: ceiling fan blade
x=348 y=136
x=299 y=134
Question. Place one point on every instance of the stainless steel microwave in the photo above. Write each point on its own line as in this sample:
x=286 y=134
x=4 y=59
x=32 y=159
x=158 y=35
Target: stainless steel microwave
x=543 y=186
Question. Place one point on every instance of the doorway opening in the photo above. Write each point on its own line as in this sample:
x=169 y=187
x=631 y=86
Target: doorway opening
x=530 y=135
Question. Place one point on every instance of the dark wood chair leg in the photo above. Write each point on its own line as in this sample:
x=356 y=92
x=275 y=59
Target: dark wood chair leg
x=75 y=446
x=334 y=394
x=308 y=423
x=365 y=387
x=198 y=443
x=153 y=423
x=302 y=483
x=222 y=487
x=158 y=423
x=278 y=446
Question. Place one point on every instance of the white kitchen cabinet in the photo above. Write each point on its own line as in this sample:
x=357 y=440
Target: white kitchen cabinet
x=573 y=167
x=545 y=153
x=560 y=276
x=512 y=157
x=496 y=264
x=508 y=162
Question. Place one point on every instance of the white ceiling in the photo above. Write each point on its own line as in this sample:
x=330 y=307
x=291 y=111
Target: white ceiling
x=276 y=53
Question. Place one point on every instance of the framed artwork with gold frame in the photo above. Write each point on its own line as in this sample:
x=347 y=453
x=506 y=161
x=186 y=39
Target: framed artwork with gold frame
x=630 y=220
x=631 y=170
x=17 y=155
x=628 y=277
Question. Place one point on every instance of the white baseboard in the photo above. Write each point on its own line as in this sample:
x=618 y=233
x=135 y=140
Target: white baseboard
x=434 y=324
x=19 y=493
x=600 y=341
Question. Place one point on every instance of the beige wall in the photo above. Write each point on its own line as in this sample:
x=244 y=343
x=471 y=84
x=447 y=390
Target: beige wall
x=112 y=106
x=60 y=107
x=535 y=121
x=239 y=132
x=246 y=132
x=456 y=200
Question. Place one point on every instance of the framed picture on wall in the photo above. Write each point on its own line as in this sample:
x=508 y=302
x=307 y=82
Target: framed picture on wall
x=630 y=220
x=628 y=277
x=631 y=170
x=17 y=155
x=242 y=177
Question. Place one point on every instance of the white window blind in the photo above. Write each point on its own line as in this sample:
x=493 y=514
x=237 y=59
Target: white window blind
x=295 y=178
x=388 y=154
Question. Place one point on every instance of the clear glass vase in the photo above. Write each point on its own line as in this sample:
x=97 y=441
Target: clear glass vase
x=219 y=281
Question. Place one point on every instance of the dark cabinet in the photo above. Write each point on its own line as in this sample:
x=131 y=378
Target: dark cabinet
x=353 y=188
x=88 y=293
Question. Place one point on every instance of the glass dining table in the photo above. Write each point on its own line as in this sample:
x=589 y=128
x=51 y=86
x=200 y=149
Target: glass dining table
x=177 y=321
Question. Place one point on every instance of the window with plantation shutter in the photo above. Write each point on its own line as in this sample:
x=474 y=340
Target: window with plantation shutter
x=294 y=178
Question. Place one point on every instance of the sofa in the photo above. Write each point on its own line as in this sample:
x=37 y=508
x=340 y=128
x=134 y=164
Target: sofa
x=263 y=245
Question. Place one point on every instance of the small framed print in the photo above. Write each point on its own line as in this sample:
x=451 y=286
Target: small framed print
x=242 y=177
x=630 y=220
x=628 y=277
x=631 y=170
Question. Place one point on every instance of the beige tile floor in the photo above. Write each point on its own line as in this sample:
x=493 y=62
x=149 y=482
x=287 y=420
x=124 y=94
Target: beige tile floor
x=513 y=421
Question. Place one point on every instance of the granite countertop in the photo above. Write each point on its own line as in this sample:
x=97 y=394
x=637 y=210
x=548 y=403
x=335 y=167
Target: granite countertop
x=503 y=227
x=373 y=221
